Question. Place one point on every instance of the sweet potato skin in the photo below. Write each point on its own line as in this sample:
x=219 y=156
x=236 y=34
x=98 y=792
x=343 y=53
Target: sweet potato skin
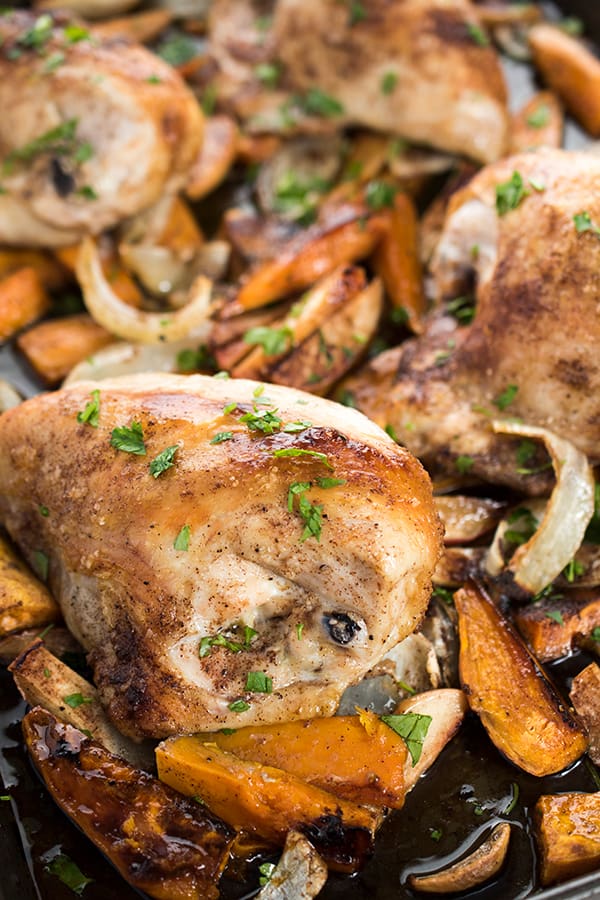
x=362 y=763
x=266 y=802
x=567 y=835
x=161 y=843
x=519 y=708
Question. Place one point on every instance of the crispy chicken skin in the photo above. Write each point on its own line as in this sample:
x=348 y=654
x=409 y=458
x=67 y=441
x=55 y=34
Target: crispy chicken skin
x=324 y=610
x=536 y=326
x=93 y=130
x=408 y=67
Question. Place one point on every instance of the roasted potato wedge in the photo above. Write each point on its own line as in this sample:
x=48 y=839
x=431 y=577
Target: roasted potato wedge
x=44 y=680
x=161 y=843
x=518 y=706
x=478 y=867
x=358 y=758
x=568 y=835
x=585 y=697
x=24 y=601
x=267 y=802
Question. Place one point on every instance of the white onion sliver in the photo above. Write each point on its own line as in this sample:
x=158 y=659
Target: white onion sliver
x=129 y=359
x=300 y=873
x=539 y=561
x=133 y=324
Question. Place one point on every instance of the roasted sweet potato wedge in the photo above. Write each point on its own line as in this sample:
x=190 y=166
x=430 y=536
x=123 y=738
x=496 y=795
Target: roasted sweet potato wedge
x=24 y=601
x=553 y=627
x=585 y=696
x=568 y=835
x=54 y=347
x=23 y=299
x=267 y=802
x=519 y=708
x=162 y=843
x=358 y=758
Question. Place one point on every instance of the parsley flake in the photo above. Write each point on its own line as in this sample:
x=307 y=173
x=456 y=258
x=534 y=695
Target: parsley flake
x=41 y=564
x=266 y=870
x=182 y=541
x=514 y=797
x=259 y=683
x=312 y=516
x=177 y=49
x=77 y=699
x=222 y=436
x=268 y=74
x=300 y=629
x=273 y=340
x=129 y=439
x=163 y=461
x=510 y=193
x=412 y=728
x=388 y=83
x=327 y=483
x=297 y=451
x=316 y=103
x=477 y=34
x=464 y=463
x=583 y=222
x=90 y=415
x=239 y=706
x=506 y=397
x=68 y=872
x=595 y=634
x=556 y=616
x=266 y=421
x=296 y=488
x=379 y=195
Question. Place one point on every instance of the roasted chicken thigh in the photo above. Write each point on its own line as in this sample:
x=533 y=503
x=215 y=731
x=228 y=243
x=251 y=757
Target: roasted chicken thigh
x=413 y=68
x=228 y=553
x=93 y=130
x=525 y=232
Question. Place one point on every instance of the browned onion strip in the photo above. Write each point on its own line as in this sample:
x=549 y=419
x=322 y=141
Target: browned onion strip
x=543 y=557
x=133 y=324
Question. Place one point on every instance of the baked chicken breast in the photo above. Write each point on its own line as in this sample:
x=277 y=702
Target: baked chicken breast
x=525 y=232
x=93 y=130
x=228 y=553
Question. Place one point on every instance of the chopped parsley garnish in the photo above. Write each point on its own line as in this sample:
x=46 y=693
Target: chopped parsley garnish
x=39 y=33
x=296 y=427
x=379 y=195
x=391 y=431
x=573 y=570
x=506 y=397
x=297 y=451
x=266 y=870
x=435 y=834
x=462 y=308
x=514 y=797
x=239 y=706
x=177 y=49
x=153 y=79
x=190 y=360
x=356 y=12
x=221 y=640
x=229 y=408
x=412 y=728
x=87 y=192
x=222 y=436
x=316 y=103
x=595 y=634
x=300 y=629
x=312 y=516
x=510 y=193
x=273 y=340
x=556 y=616
x=76 y=33
x=389 y=82
x=182 y=541
x=296 y=488
x=464 y=463
x=91 y=413
x=5 y=797
x=41 y=564
x=526 y=524
x=444 y=594
x=477 y=34
x=259 y=683
x=163 y=461
x=583 y=222
x=268 y=74
x=330 y=482
x=406 y=687
x=44 y=511
x=572 y=25
x=297 y=198
x=68 y=872
x=266 y=421
x=346 y=398
x=75 y=700
x=83 y=152
x=54 y=61
x=539 y=117
x=129 y=439
x=60 y=141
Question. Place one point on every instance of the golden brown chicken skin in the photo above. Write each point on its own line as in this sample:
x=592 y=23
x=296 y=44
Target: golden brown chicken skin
x=93 y=130
x=250 y=581
x=531 y=351
x=420 y=69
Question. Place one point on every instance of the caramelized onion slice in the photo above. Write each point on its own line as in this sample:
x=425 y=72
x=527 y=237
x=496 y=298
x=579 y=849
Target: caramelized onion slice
x=543 y=557
x=122 y=358
x=300 y=873
x=133 y=324
x=476 y=868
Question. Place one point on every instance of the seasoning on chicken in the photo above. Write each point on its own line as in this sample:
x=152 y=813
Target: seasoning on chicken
x=229 y=553
x=526 y=232
x=421 y=69
x=94 y=130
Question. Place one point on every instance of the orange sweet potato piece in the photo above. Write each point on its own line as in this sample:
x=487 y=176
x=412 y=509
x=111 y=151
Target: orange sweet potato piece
x=53 y=348
x=141 y=27
x=571 y=70
x=585 y=697
x=267 y=802
x=24 y=601
x=23 y=299
x=315 y=254
x=567 y=835
x=216 y=156
x=552 y=627
x=539 y=123
x=397 y=262
x=519 y=708
x=360 y=762
x=164 y=844
x=52 y=274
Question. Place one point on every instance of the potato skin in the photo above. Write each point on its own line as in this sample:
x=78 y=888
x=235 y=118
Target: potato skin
x=519 y=708
x=567 y=835
x=24 y=601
